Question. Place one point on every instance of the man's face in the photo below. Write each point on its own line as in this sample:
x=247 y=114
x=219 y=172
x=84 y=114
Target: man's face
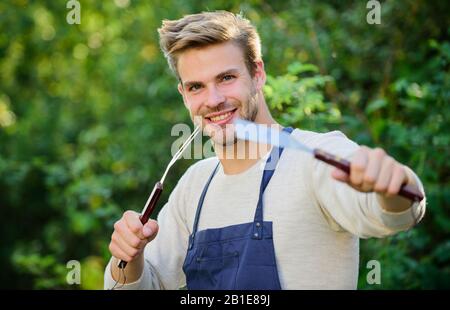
x=216 y=88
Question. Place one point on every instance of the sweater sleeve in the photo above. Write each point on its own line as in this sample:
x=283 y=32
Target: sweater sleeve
x=345 y=208
x=164 y=256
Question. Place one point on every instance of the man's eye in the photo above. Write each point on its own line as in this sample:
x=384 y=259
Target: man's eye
x=194 y=87
x=227 y=77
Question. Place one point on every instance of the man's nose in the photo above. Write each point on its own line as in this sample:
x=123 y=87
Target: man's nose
x=215 y=97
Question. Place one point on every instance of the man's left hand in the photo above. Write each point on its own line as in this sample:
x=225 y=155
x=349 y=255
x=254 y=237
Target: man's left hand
x=373 y=170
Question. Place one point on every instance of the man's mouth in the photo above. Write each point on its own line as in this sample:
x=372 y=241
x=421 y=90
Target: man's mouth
x=222 y=117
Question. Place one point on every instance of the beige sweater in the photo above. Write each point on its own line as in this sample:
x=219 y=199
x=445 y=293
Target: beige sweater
x=317 y=221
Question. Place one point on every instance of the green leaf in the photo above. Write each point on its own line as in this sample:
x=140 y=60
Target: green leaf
x=376 y=105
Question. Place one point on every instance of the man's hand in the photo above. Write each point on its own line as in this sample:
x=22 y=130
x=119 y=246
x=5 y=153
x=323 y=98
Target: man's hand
x=128 y=242
x=130 y=236
x=372 y=170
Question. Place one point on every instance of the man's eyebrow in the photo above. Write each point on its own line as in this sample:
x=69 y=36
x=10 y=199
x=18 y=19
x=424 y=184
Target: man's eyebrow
x=191 y=83
x=232 y=71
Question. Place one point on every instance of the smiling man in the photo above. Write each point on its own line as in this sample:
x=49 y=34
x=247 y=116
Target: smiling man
x=232 y=224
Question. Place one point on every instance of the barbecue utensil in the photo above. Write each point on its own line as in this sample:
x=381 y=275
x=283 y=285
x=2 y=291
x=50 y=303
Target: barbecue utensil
x=265 y=134
x=158 y=188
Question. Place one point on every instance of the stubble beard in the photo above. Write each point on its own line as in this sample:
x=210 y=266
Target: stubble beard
x=224 y=139
x=226 y=136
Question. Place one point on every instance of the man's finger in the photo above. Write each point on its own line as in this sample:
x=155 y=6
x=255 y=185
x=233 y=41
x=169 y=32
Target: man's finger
x=340 y=175
x=384 y=178
x=117 y=252
x=398 y=178
x=150 y=229
x=125 y=246
x=373 y=168
x=134 y=223
x=358 y=166
x=131 y=238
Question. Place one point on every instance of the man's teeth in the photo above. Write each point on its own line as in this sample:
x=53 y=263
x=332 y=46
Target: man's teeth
x=220 y=117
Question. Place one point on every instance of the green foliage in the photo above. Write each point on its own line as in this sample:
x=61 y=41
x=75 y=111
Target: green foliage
x=299 y=98
x=86 y=112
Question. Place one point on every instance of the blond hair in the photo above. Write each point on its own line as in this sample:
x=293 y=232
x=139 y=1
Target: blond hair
x=208 y=28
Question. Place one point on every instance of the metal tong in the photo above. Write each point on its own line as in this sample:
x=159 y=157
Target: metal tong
x=158 y=188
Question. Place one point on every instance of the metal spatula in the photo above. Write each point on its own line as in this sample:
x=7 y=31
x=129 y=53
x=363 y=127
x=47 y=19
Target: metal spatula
x=260 y=133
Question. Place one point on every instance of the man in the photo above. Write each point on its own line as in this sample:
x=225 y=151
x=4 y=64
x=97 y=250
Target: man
x=229 y=224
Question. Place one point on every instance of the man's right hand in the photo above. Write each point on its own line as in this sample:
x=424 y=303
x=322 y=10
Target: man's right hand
x=130 y=237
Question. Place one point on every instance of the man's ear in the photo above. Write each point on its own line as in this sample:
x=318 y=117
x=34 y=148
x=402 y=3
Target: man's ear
x=181 y=91
x=260 y=75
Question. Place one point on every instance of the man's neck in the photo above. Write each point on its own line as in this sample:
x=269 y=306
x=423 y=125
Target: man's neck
x=242 y=155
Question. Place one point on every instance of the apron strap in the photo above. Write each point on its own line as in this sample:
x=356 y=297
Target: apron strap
x=269 y=170
x=267 y=175
x=200 y=205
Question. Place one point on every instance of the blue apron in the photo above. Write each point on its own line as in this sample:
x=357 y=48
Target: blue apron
x=236 y=257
